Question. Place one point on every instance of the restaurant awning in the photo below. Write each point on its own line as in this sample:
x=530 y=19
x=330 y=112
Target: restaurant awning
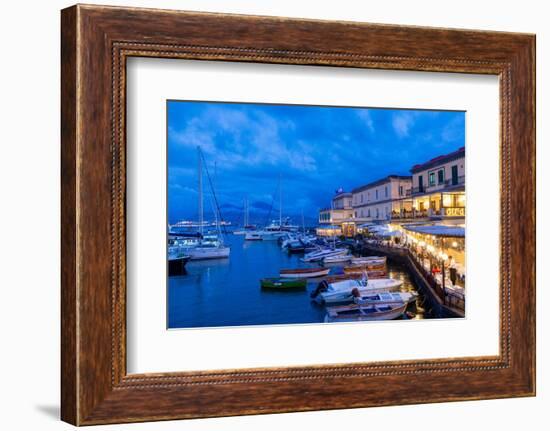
x=438 y=230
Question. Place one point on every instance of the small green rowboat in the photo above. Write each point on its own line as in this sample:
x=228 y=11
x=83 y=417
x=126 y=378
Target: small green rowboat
x=283 y=283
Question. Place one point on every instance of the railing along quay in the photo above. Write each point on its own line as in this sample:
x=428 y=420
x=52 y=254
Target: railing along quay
x=445 y=303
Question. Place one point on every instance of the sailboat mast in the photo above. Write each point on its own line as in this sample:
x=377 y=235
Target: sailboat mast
x=201 y=209
x=246 y=223
x=280 y=203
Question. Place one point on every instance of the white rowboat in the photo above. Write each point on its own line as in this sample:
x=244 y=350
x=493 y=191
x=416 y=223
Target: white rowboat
x=341 y=291
x=359 y=313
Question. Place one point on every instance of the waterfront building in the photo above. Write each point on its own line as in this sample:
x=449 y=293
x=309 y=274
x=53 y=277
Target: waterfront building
x=385 y=199
x=338 y=219
x=438 y=187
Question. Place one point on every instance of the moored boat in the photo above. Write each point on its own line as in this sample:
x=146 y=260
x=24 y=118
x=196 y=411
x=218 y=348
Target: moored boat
x=362 y=313
x=304 y=272
x=341 y=291
x=208 y=251
x=253 y=236
x=372 y=260
x=283 y=283
x=205 y=246
x=296 y=247
x=383 y=298
x=176 y=262
x=360 y=268
x=210 y=246
x=322 y=253
x=333 y=278
x=339 y=258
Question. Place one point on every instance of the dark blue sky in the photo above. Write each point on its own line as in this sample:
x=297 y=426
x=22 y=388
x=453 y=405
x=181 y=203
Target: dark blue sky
x=314 y=149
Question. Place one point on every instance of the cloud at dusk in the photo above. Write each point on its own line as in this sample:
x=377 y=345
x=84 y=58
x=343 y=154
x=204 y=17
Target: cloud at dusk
x=313 y=150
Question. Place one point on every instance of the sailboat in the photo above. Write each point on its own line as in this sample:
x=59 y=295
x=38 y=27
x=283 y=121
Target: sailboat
x=209 y=246
x=273 y=231
x=247 y=227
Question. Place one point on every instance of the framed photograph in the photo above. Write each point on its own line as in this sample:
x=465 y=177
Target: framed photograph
x=266 y=215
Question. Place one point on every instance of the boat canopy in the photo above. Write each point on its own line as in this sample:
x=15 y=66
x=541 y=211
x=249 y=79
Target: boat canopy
x=438 y=230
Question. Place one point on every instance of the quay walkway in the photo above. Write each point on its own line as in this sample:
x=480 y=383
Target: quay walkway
x=446 y=301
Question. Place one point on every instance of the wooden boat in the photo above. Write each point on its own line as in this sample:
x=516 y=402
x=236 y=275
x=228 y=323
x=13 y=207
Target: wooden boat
x=369 y=260
x=362 y=313
x=341 y=277
x=340 y=258
x=364 y=267
x=283 y=283
x=333 y=278
x=303 y=272
x=377 y=274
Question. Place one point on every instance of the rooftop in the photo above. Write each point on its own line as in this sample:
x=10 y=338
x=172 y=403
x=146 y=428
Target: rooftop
x=439 y=160
x=341 y=194
x=381 y=181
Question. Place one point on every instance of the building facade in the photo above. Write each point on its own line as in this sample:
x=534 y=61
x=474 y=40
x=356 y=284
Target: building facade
x=436 y=190
x=339 y=215
x=439 y=186
x=385 y=199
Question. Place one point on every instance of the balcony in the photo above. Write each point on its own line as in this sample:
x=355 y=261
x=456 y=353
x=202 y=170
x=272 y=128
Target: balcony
x=439 y=187
x=457 y=181
x=397 y=215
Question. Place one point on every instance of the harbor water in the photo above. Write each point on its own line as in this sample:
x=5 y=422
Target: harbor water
x=227 y=292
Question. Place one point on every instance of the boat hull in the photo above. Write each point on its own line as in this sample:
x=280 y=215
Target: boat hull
x=357 y=313
x=342 y=291
x=176 y=266
x=204 y=253
x=319 y=256
x=297 y=273
x=384 y=298
x=362 y=268
x=369 y=260
x=334 y=260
